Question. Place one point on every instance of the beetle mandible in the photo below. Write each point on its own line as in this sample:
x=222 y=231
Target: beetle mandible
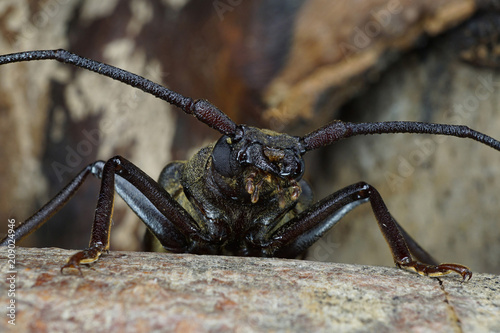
x=243 y=195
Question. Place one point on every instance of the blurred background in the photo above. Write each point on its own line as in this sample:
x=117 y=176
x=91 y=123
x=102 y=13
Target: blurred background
x=290 y=66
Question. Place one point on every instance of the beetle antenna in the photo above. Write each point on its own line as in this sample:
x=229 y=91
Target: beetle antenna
x=201 y=109
x=338 y=130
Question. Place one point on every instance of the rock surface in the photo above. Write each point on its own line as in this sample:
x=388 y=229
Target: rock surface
x=151 y=292
x=443 y=192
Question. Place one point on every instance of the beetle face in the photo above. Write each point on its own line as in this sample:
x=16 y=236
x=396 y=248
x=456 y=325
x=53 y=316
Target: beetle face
x=276 y=154
x=261 y=157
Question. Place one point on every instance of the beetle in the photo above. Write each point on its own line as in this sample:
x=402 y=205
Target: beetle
x=243 y=195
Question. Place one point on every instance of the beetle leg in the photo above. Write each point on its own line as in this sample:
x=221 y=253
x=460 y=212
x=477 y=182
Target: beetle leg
x=164 y=217
x=52 y=207
x=299 y=233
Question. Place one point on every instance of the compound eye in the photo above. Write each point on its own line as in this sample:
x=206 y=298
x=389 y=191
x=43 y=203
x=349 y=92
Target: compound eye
x=221 y=156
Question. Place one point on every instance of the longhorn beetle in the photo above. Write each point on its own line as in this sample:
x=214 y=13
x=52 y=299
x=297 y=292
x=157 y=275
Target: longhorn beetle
x=242 y=195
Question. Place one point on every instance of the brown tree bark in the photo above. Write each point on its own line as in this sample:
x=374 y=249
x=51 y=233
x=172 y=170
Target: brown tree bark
x=411 y=65
x=152 y=292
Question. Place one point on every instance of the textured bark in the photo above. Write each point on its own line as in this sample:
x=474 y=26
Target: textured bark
x=254 y=63
x=151 y=292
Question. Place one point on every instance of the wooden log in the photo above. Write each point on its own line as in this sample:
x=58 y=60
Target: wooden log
x=152 y=292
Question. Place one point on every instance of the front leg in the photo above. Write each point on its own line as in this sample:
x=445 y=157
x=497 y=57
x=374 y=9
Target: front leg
x=163 y=216
x=99 y=239
x=298 y=234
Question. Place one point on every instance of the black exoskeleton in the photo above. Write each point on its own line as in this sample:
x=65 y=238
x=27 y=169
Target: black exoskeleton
x=242 y=195
x=239 y=191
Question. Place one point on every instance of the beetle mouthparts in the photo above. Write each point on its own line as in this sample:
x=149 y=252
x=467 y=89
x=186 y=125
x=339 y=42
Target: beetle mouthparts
x=286 y=189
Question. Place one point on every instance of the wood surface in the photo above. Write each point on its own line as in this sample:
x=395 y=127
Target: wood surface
x=153 y=292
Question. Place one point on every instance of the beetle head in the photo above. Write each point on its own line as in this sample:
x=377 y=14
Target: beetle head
x=277 y=154
x=260 y=157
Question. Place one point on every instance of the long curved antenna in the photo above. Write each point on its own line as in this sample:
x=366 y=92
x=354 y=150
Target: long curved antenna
x=338 y=130
x=201 y=109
